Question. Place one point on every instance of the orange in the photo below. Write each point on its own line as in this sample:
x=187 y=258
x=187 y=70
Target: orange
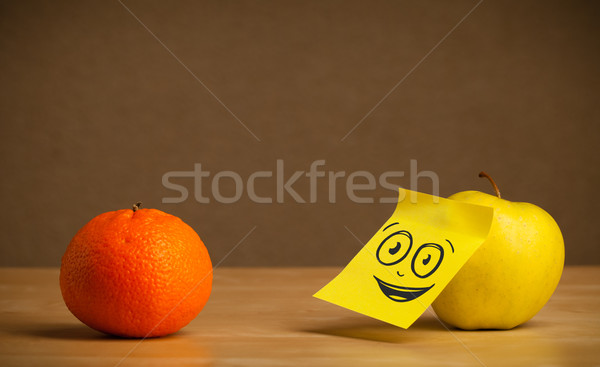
x=136 y=273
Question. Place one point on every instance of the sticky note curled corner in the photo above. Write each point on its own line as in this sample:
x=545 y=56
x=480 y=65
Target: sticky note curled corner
x=410 y=259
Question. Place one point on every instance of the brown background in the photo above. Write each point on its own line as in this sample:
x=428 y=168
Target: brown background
x=94 y=111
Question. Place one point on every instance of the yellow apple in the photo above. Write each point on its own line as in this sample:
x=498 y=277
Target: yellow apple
x=514 y=272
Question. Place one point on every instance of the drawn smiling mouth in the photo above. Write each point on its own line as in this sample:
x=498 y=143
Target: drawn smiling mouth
x=400 y=294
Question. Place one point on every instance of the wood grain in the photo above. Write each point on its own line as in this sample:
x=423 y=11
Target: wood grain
x=267 y=317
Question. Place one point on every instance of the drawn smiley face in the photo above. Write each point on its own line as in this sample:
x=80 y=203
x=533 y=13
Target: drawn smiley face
x=425 y=261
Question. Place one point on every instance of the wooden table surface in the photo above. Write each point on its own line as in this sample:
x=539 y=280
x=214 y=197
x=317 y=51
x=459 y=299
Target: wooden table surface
x=267 y=317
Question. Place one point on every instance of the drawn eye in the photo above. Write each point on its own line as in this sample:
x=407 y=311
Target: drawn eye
x=427 y=259
x=394 y=248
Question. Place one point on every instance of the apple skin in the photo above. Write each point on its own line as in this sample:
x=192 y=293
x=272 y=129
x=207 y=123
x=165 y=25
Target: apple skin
x=512 y=275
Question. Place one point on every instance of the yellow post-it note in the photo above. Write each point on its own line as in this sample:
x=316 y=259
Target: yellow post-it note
x=410 y=259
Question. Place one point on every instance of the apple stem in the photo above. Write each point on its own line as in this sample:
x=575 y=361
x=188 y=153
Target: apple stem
x=136 y=206
x=483 y=174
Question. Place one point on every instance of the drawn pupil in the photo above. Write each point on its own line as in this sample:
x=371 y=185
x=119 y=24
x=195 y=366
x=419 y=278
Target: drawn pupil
x=427 y=260
x=395 y=249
